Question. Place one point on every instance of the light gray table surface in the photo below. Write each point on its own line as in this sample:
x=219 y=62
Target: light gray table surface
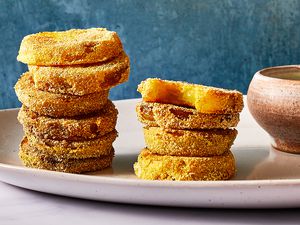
x=20 y=206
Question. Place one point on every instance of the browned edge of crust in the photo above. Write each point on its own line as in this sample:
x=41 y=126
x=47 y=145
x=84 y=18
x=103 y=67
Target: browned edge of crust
x=78 y=128
x=33 y=159
x=177 y=117
x=57 y=105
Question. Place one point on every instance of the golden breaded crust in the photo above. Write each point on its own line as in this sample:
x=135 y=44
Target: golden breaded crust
x=71 y=129
x=177 y=117
x=81 y=79
x=157 y=167
x=71 y=47
x=57 y=105
x=205 y=99
x=76 y=149
x=188 y=142
x=33 y=159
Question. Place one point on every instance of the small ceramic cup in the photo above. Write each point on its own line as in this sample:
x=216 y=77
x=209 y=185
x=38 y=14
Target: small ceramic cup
x=274 y=101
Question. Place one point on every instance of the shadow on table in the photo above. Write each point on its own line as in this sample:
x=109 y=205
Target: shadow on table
x=166 y=215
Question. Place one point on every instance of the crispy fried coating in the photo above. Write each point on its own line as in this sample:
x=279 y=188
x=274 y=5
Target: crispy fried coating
x=81 y=79
x=71 y=47
x=34 y=159
x=189 y=142
x=163 y=167
x=73 y=149
x=178 y=117
x=204 y=98
x=57 y=105
x=78 y=128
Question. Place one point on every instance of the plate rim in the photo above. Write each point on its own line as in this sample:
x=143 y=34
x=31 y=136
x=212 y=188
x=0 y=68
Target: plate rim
x=150 y=183
x=145 y=183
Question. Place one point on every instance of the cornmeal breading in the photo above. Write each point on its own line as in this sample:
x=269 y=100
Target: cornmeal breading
x=73 y=149
x=188 y=142
x=189 y=131
x=71 y=47
x=57 y=105
x=78 y=128
x=205 y=99
x=81 y=79
x=34 y=159
x=68 y=120
x=157 y=167
x=178 y=117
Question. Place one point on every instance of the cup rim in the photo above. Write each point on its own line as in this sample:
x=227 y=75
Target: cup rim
x=262 y=72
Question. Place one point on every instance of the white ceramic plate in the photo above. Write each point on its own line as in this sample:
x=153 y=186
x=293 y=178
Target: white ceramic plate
x=265 y=177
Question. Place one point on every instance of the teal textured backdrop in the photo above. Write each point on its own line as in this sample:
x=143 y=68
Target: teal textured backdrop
x=213 y=42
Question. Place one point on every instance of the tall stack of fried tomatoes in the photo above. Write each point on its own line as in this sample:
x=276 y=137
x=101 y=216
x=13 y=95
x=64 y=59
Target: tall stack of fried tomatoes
x=189 y=130
x=68 y=120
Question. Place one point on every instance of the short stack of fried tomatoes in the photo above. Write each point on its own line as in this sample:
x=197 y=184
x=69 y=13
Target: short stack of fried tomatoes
x=189 y=130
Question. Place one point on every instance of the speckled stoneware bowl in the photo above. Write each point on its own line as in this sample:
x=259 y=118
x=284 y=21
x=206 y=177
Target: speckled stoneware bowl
x=274 y=101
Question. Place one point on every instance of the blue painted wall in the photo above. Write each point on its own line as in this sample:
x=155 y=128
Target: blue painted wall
x=214 y=42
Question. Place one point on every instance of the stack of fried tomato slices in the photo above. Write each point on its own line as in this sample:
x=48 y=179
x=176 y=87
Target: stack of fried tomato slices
x=68 y=120
x=189 y=130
